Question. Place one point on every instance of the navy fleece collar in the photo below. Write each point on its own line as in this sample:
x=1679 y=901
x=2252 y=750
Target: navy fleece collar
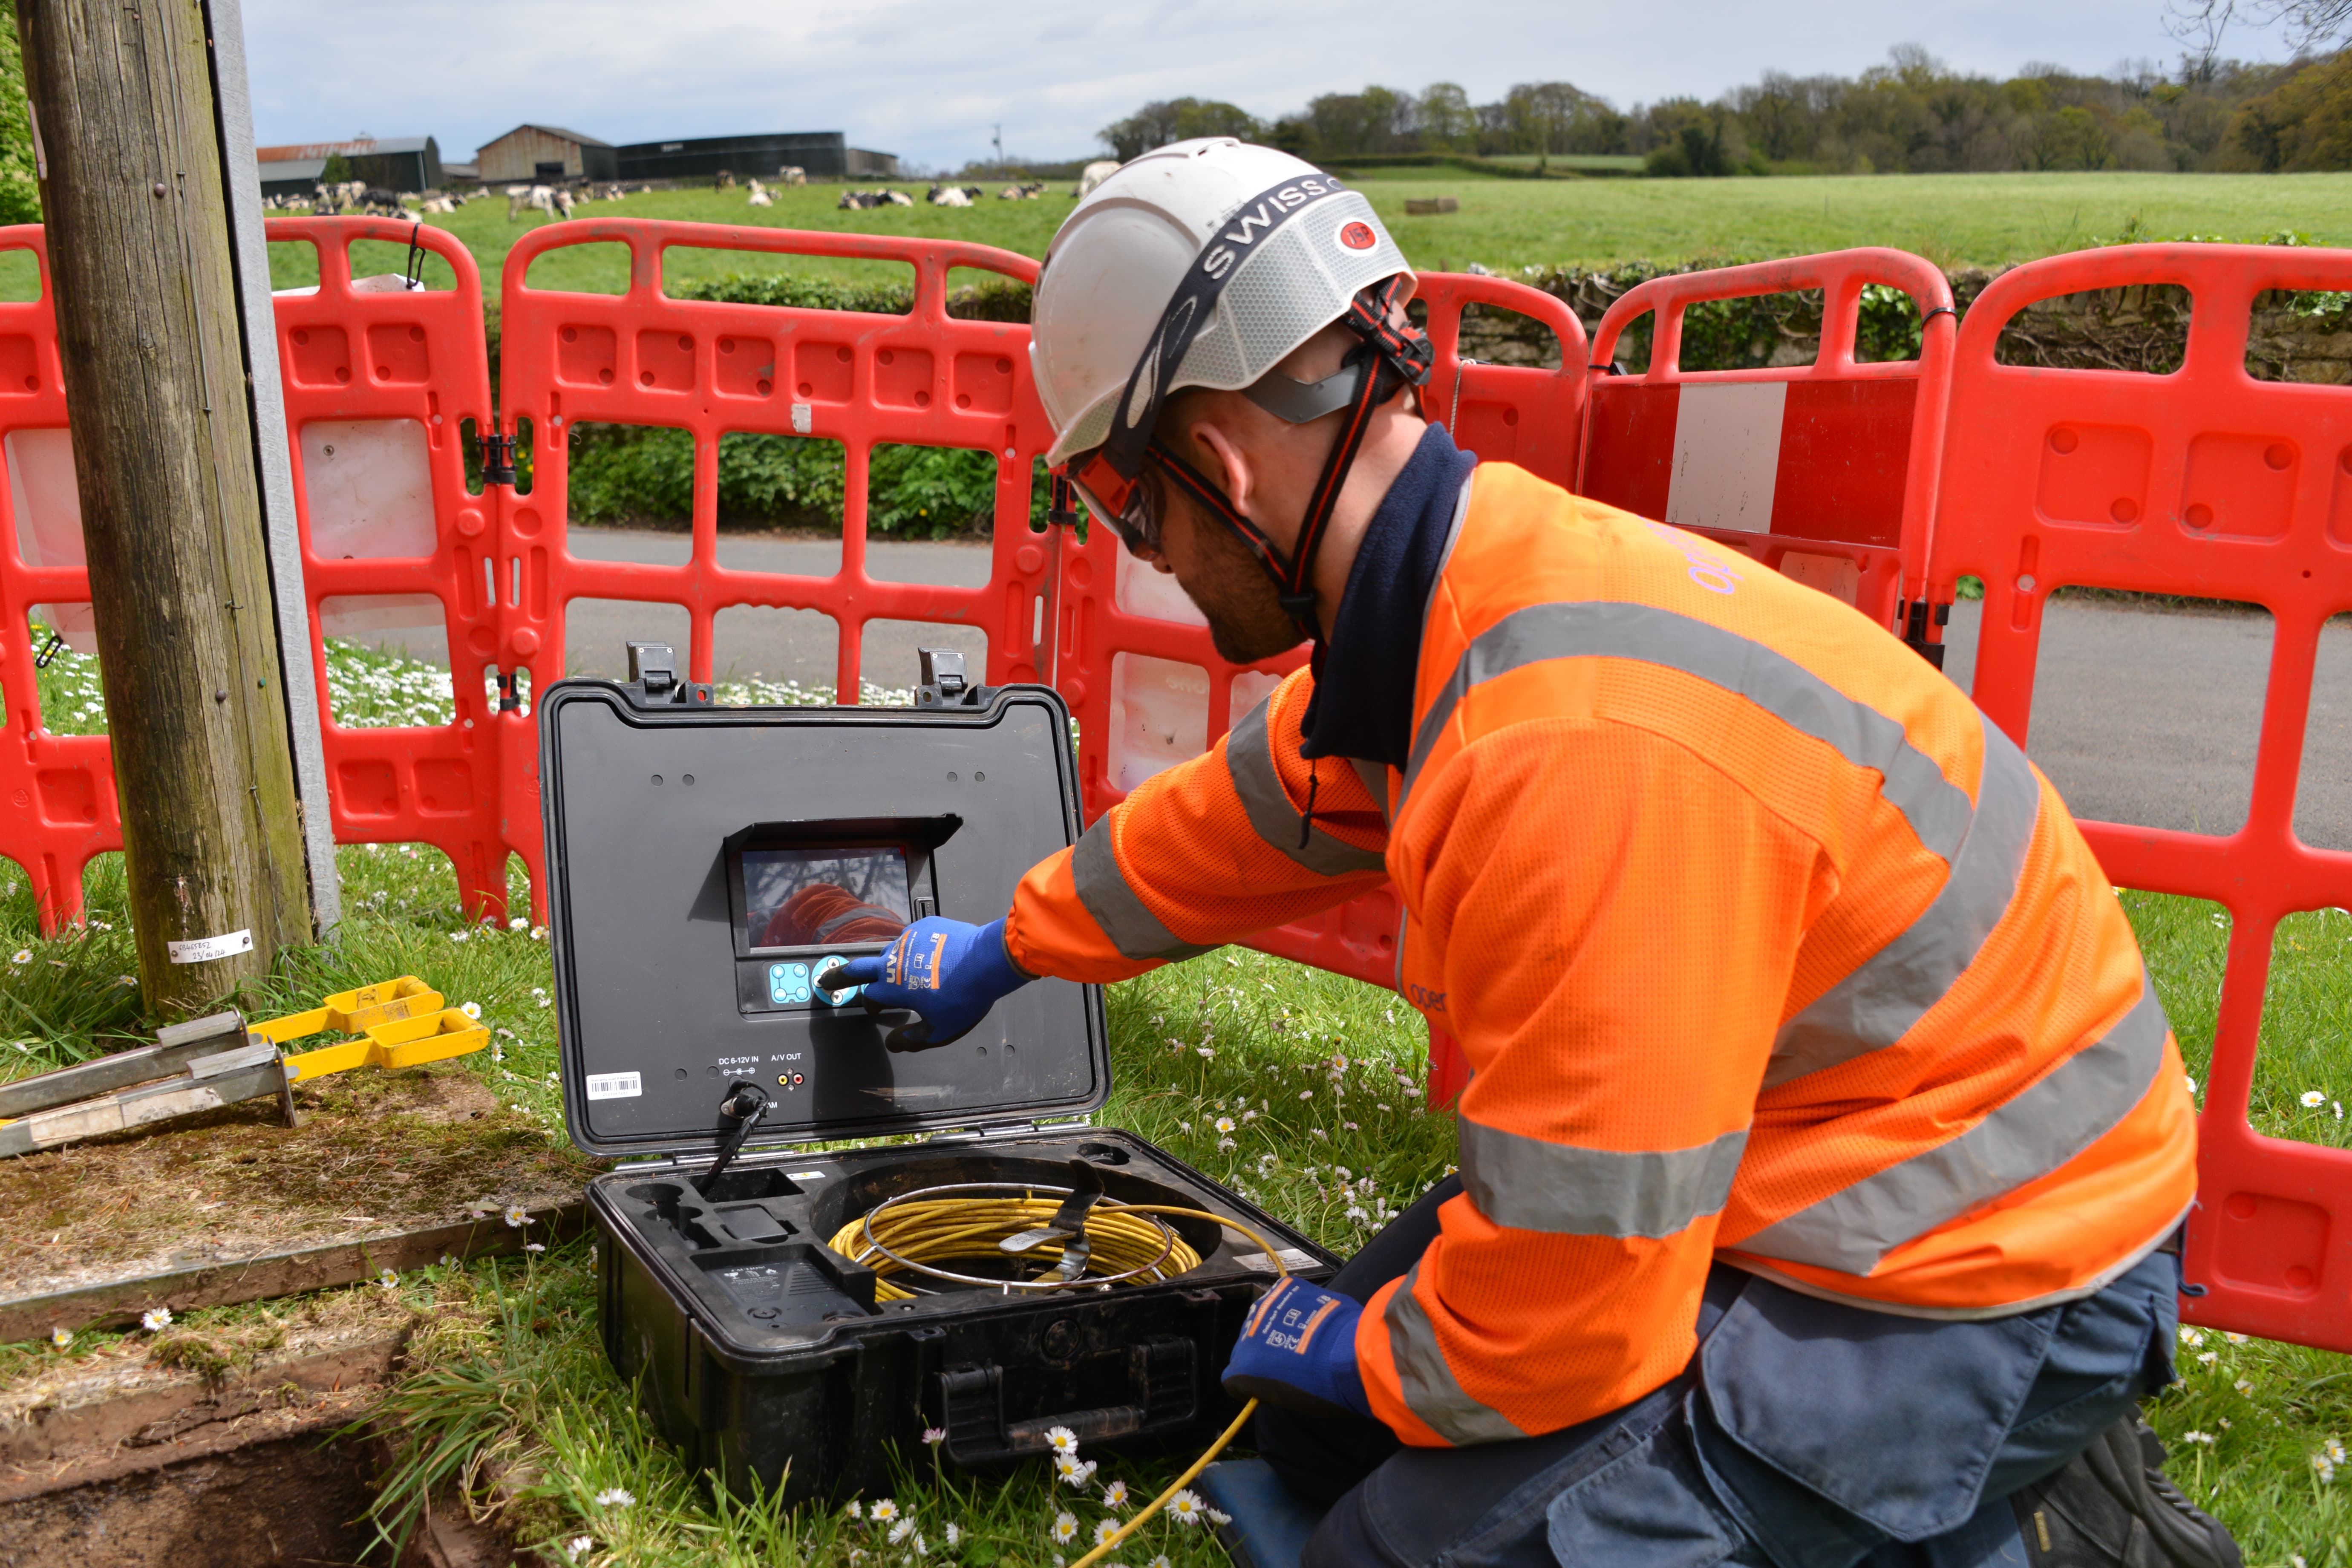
x=1363 y=699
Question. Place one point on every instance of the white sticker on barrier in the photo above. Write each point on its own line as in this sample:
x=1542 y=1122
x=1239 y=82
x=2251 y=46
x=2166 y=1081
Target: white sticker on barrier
x=1727 y=454
x=207 y=949
x=615 y=1086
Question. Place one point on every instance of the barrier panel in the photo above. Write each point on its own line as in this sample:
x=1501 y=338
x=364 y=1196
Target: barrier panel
x=1135 y=660
x=57 y=806
x=715 y=369
x=379 y=381
x=1825 y=471
x=2204 y=482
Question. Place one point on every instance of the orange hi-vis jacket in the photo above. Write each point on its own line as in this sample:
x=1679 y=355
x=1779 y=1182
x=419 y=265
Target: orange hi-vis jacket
x=1763 y=945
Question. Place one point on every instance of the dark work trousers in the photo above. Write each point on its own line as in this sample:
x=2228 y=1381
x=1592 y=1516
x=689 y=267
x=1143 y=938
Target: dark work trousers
x=1804 y=1434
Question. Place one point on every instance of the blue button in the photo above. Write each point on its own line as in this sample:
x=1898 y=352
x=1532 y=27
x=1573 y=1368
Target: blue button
x=788 y=982
x=826 y=965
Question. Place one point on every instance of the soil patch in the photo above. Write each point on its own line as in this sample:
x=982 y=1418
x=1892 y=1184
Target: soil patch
x=377 y=1154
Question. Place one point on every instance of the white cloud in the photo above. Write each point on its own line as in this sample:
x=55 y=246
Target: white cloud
x=928 y=80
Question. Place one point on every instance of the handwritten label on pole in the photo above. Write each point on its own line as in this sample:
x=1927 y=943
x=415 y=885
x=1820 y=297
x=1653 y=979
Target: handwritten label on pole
x=207 y=949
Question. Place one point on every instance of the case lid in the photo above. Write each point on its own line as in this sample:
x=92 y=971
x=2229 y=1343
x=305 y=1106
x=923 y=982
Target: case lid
x=704 y=864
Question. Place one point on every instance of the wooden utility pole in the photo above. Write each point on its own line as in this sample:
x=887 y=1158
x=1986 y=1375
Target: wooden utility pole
x=131 y=176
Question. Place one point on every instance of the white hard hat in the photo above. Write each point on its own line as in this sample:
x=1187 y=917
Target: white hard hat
x=1290 y=245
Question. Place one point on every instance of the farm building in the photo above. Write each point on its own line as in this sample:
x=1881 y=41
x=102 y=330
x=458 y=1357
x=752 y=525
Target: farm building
x=391 y=163
x=824 y=154
x=544 y=153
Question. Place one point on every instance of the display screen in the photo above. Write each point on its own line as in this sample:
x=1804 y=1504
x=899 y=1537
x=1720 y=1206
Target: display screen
x=823 y=898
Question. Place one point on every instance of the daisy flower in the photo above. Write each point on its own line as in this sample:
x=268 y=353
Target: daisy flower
x=516 y=1216
x=855 y=1508
x=934 y=1435
x=155 y=1319
x=1186 y=1509
x=577 y=1547
x=616 y=1496
x=388 y=1280
x=460 y=935
x=1061 y=1439
x=1114 y=1494
x=885 y=1511
x=22 y=955
x=1104 y=1529
x=472 y=1010
x=2313 y=1099
x=518 y=923
x=955 y=1535
x=1065 y=1527
x=1225 y=1124
x=61 y=1338
x=901 y=1530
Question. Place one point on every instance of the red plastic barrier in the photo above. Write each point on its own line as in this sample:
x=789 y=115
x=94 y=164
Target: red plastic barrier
x=378 y=381
x=1826 y=472
x=711 y=368
x=58 y=806
x=2204 y=482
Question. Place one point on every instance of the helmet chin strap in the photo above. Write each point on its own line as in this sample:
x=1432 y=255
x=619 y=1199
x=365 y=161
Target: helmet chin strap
x=1386 y=358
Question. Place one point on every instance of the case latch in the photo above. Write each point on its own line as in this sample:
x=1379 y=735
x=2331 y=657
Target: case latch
x=943 y=684
x=653 y=678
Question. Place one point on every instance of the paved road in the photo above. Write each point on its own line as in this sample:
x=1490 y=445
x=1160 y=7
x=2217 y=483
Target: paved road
x=777 y=644
x=2138 y=715
x=2152 y=718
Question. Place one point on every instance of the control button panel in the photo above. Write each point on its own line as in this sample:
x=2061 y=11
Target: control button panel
x=847 y=994
x=789 y=984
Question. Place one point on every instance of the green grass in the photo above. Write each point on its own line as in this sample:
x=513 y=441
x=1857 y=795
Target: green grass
x=1312 y=1072
x=1951 y=219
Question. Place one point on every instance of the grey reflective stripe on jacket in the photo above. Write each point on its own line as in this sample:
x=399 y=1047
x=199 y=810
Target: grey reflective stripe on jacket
x=1102 y=887
x=1529 y=1184
x=2033 y=1132
x=1430 y=1388
x=1937 y=810
x=1892 y=989
x=1257 y=782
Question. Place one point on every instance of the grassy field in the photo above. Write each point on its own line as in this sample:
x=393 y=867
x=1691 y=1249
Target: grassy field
x=1952 y=219
x=1289 y=1084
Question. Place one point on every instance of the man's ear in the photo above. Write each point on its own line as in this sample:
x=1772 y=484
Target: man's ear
x=1238 y=479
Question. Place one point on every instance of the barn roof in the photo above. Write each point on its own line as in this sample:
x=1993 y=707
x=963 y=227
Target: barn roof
x=551 y=131
x=294 y=150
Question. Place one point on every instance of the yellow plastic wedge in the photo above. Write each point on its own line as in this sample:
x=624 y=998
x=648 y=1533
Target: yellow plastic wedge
x=403 y=1043
x=404 y=997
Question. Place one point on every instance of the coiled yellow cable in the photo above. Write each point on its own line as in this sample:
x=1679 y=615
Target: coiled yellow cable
x=942 y=1229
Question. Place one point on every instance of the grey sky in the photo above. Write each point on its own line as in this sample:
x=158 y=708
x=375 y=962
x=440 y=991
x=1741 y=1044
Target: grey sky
x=927 y=80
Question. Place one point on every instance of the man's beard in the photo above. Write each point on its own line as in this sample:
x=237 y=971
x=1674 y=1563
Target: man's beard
x=1246 y=622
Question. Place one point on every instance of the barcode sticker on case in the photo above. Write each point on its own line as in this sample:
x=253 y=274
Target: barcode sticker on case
x=615 y=1086
x=1291 y=1256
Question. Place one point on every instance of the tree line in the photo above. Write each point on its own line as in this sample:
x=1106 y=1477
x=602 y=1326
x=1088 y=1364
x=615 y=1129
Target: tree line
x=1911 y=115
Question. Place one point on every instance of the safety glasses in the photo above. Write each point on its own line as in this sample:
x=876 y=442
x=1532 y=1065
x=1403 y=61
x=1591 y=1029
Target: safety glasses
x=1123 y=503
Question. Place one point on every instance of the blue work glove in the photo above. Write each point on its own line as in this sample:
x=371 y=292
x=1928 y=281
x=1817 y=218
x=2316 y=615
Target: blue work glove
x=1297 y=1349
x=948 y=973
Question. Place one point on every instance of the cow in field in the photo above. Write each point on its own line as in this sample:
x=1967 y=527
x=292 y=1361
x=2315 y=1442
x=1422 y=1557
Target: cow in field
x=1094 y=175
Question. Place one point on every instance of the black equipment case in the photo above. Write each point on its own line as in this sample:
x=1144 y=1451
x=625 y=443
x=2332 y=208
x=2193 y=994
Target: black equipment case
x=704 y=864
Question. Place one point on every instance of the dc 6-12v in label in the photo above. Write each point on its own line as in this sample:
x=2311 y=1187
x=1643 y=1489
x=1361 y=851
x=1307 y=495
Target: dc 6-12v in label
x=615 y=1086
